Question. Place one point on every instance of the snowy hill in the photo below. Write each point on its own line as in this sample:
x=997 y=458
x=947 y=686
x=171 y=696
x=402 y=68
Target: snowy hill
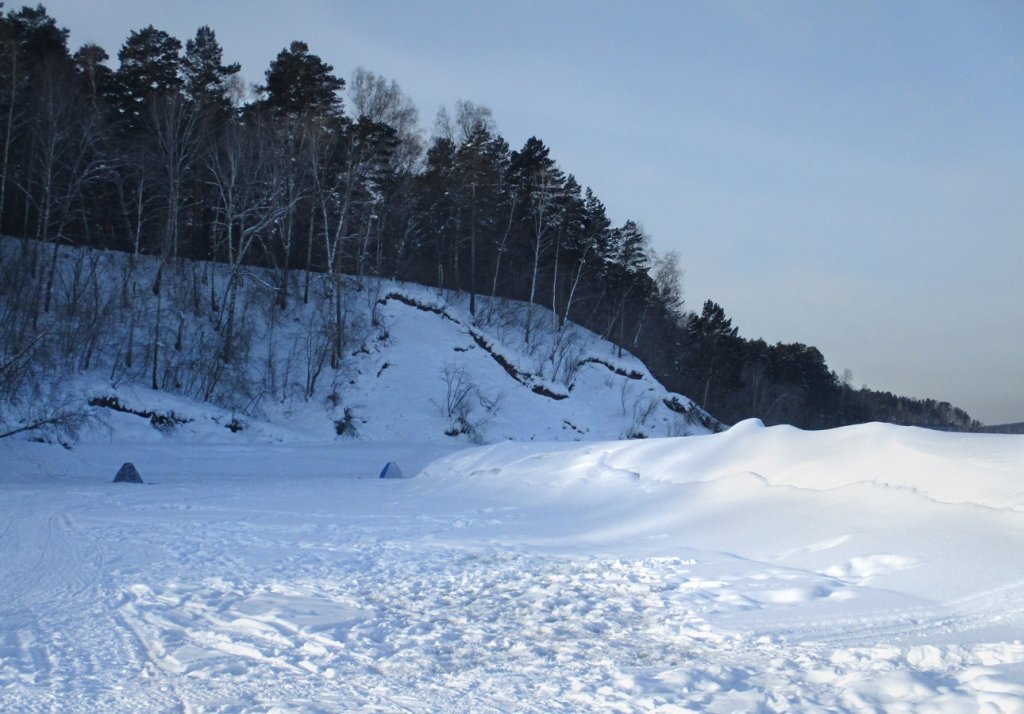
x=416 y=364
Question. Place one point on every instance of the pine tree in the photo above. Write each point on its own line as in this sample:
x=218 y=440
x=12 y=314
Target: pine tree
x=37 y=34
x=626 y=263
x=436 y=210
x=97 y=79
x=149 y=70
x=539 y=183
x=204 y=73
x=30 y=43
x=479 y=177
x=301 y=83
x=715 y=353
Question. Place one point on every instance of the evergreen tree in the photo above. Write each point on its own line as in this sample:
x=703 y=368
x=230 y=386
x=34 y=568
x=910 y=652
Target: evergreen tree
x=714 y=354
x=538 y=183
x=149 y=70
x=435 y=211
x=97 y=79
x=811 y=387
x=31 y=43
x=301 y=83
x=571 y=250
x=37 y=34
x=204 y=73
x=626 y=264
x=480 y=167
x=629 y=249
x=205 y=84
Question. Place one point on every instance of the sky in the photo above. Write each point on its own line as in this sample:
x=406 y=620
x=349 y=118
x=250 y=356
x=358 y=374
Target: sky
x=848 y=175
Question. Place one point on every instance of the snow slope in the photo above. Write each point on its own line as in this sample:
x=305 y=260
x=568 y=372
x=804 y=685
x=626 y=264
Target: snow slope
x=566 y=386
x=871 y=568
x=416 y=365
x=428 y=376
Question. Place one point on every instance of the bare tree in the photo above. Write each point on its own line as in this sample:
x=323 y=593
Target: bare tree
x=292 y=159
x=543 y=205
x=173 y=125
x=345 y=171
x=511 y=204
x=250 y=187
x=65 y=134
x=384 y=102
x=334 y=202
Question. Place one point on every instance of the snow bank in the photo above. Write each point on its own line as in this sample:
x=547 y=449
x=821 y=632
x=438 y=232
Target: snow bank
x=930 y=514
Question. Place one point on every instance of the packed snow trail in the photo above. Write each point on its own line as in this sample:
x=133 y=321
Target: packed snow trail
x=867 y=569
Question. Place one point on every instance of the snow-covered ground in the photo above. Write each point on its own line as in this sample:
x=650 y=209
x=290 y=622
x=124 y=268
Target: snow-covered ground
x=263 y=566
x=760 y=569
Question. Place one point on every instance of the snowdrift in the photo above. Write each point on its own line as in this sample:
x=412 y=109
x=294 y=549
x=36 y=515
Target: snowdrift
x=951 y=468
x=922 y=514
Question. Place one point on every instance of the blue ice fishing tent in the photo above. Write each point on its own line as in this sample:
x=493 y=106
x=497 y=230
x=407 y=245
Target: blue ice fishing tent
x=391 y=470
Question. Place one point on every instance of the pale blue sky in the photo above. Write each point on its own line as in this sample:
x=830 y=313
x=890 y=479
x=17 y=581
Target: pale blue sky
x=844 y=174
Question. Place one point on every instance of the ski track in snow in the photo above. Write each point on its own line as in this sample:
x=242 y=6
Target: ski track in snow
x=253 y=593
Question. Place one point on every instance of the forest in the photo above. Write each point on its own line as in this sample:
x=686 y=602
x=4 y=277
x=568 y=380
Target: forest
x=165 y=153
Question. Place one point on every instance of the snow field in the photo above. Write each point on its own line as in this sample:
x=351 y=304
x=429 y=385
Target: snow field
x=714 y=573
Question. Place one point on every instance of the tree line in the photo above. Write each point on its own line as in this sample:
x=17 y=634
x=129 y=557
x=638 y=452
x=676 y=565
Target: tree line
x=169 y=155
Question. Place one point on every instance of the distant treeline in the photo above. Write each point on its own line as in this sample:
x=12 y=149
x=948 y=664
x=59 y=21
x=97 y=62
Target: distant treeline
x=169 y=155
x=1017 y=428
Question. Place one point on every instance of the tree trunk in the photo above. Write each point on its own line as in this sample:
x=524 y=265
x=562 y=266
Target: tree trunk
x=501 y=252
x=156 y=338
x=533 y=290
x=554 y=282
x=572 y=291
x=309 y=253
x=8 y=130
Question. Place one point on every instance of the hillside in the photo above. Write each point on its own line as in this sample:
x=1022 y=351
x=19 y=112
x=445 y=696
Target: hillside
x=415 y=365
x=164 y=155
